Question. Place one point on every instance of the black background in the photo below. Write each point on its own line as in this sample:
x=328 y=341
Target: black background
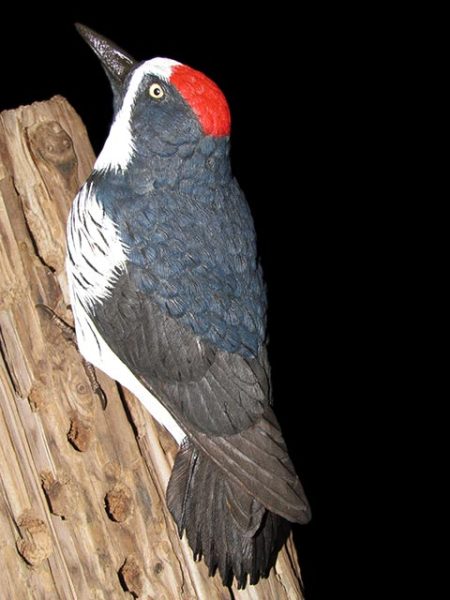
x=280 y=75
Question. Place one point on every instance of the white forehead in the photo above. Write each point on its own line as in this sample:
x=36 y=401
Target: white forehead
x=161 y=67
x=119 y=147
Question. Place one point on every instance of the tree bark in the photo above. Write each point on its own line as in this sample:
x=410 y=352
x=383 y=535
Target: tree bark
x=82 y=490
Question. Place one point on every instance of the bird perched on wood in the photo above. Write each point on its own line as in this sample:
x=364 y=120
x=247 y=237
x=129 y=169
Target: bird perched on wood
x=169 y=300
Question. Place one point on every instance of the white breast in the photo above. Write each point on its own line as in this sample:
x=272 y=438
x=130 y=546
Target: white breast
x=96 y=253
x=96 y=257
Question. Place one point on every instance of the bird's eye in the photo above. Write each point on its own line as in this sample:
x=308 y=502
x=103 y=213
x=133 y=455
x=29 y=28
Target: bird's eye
x=156 y=91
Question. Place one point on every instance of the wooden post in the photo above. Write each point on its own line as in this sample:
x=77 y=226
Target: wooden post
x=82 y=490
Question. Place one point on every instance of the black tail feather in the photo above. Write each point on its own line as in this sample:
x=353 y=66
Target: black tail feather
x=231 y=530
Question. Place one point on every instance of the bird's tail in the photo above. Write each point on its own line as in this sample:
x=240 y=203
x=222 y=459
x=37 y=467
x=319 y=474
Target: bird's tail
x=228 y=493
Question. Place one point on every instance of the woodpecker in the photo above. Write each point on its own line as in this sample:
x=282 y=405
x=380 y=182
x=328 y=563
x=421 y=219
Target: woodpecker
x=168 y=299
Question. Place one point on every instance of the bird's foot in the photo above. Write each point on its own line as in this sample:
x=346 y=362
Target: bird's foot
x=69 y=334
x=96 y=387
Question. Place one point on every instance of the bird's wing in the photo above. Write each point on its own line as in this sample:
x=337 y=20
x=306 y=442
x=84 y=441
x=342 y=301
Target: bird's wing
x=186 y=315
x=212 y=391
x=220 y=399
x=257 y=460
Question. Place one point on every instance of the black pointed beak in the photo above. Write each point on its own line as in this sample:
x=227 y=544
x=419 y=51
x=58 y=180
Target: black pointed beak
x=116 y=62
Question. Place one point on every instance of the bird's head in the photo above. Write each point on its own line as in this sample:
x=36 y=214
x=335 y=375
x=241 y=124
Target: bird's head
x=159 y=104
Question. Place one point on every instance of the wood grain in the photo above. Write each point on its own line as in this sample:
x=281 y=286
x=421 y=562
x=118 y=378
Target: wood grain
x=82 y=508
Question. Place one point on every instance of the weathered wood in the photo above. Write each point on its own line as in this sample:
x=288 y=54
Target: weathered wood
x=82 y=509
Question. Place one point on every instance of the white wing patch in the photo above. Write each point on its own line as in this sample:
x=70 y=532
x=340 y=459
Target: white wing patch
x=119 y=147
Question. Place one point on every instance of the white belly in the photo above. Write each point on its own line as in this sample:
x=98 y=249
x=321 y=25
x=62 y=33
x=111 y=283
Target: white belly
x=95 y=350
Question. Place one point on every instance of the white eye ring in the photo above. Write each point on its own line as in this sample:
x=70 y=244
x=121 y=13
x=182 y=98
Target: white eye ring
x=156 y=91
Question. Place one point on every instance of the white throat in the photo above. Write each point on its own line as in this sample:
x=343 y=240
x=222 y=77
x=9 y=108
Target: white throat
x=119 y=147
